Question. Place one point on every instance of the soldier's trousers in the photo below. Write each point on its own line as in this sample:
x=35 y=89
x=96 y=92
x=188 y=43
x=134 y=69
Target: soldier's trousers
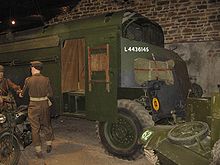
x=39 y=117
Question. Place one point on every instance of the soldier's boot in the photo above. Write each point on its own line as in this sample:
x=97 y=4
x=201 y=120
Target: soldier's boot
x=39 y=153
x=49 y=148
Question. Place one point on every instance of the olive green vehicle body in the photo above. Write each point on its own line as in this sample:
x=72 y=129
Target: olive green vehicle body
x=205 y=109
x=45 y=44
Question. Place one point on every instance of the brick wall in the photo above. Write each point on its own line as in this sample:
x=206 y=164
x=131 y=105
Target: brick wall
x=181 y=20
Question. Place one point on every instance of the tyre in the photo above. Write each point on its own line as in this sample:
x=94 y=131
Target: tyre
x=9 y=150
x=216 y=153
x=188 y=133
x=120 y=138
x=197 y=91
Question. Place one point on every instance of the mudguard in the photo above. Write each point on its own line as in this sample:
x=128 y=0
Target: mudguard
x=151 y=137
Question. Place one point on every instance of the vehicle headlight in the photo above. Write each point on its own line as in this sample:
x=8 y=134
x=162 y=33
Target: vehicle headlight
x=2 y=118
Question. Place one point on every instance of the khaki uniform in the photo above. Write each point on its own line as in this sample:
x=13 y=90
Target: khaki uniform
x=39 y=90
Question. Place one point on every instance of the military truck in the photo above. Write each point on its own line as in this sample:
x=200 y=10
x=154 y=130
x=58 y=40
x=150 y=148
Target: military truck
x=194 y=141
x=111 y=68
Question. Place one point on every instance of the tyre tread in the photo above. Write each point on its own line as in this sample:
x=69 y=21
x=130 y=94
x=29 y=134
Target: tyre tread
x=142 y=115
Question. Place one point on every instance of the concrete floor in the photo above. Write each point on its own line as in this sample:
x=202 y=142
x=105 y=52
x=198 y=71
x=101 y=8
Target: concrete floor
x=75 y=144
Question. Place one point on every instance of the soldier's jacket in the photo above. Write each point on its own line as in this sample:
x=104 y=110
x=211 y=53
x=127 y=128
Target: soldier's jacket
x=37 y=86
x=5 y=84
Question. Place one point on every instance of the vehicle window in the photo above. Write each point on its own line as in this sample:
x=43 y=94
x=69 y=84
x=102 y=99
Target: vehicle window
x=141 y=29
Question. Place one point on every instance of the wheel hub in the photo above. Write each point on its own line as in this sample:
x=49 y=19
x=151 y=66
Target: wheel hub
x=122 y=132
x=119 y=129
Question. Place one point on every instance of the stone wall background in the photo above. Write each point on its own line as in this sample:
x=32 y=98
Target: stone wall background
x=192 y=27
x=203 y=62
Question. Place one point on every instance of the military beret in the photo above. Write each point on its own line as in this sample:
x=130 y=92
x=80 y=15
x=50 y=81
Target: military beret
x=1 y=68
x=36 y=64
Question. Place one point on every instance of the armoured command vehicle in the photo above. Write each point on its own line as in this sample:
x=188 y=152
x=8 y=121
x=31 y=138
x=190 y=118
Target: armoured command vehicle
x=111 y=68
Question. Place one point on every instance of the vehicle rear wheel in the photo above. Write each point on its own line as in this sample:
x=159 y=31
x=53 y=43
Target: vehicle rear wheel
x=120 y=138
x=9 y=150
x=197 y=91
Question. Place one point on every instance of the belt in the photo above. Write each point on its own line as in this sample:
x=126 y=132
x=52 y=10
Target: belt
x=41 y=99
x=38 y=98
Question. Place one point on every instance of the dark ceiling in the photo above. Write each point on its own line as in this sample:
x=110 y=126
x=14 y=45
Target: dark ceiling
x=31 y=13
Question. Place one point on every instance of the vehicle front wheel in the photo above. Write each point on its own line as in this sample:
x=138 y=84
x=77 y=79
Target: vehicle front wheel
x=120 y=138
x=9 y=149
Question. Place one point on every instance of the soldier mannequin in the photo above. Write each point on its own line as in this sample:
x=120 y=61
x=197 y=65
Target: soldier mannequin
x=5 y=84
x=39 y=90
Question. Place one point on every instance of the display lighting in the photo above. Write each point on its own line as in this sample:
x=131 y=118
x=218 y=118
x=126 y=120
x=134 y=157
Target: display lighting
x=13 y=22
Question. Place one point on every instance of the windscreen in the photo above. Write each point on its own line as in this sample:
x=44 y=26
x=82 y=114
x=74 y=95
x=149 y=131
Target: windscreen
x=138 y=28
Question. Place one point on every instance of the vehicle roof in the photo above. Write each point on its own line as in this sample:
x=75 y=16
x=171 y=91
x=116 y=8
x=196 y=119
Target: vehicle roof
x=104 y=20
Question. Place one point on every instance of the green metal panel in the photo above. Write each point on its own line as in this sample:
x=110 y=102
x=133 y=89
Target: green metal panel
x=154 y=135
x=155 y=138
x=43 y=42
x=101 y=105
x=130 y=93
x=199 y=109
x=181 y=155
